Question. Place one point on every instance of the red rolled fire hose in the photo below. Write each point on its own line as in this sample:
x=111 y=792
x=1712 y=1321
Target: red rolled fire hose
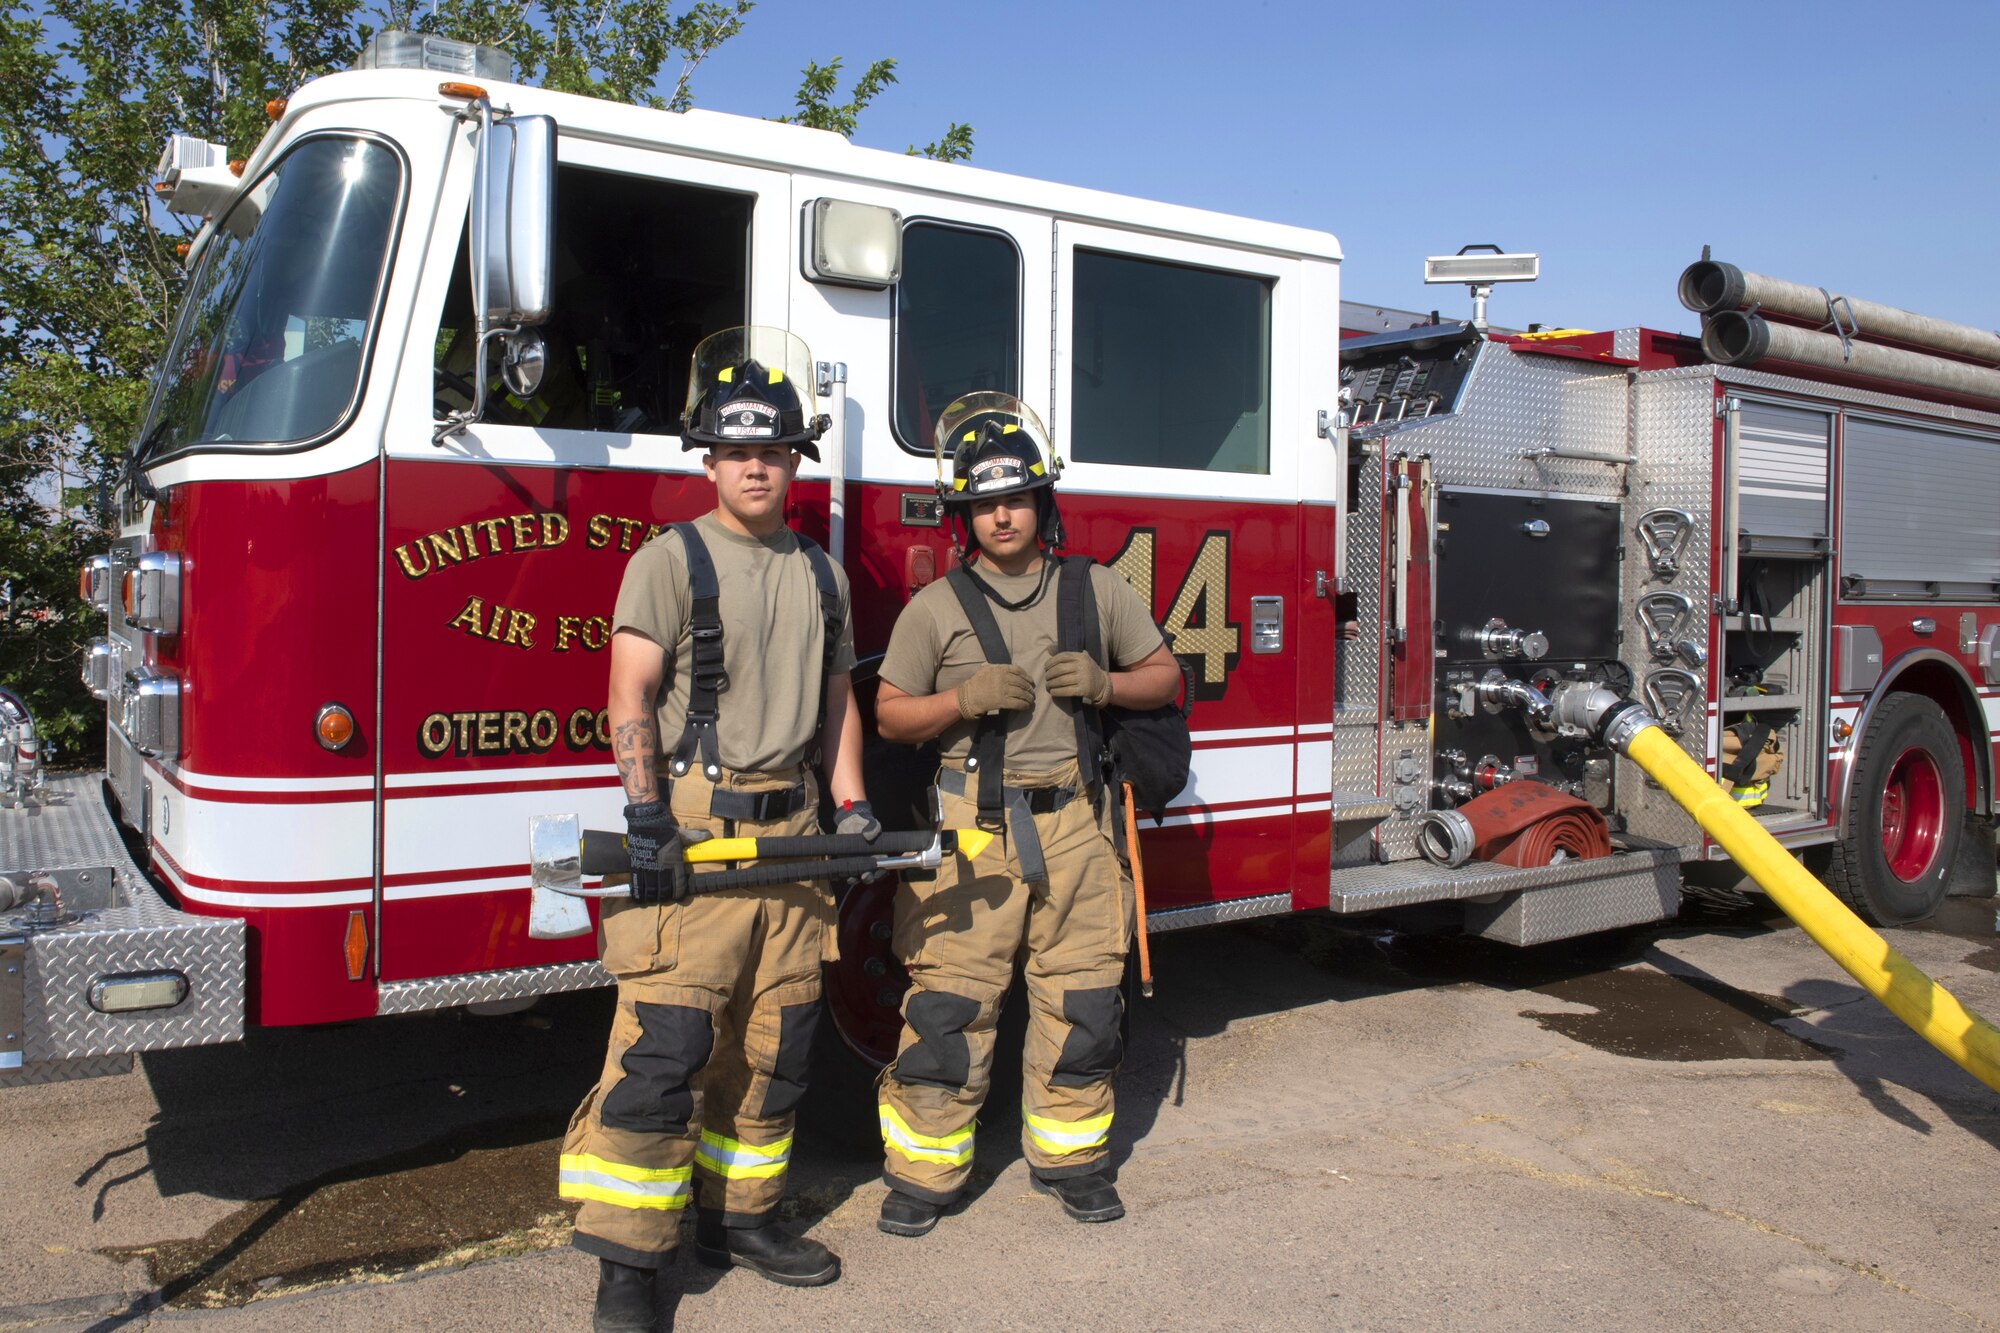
x=1528 y=823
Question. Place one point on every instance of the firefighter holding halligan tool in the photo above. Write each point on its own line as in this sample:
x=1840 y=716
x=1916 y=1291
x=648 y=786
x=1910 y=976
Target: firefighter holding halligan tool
x=730 y=665
x=1006 y=662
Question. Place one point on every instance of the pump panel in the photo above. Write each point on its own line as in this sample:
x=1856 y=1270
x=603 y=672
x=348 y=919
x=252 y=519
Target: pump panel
x=1535 y=563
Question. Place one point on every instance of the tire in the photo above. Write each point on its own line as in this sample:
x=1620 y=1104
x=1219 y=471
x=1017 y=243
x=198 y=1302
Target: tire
x=1905 y=817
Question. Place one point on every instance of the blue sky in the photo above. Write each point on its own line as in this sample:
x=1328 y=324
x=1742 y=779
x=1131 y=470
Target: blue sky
x=1850 y=146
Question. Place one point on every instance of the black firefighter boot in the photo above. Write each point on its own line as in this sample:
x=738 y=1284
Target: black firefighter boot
x=624 y=1299
x=766 y=1249
x=1090 y=1198
x=907 y=1215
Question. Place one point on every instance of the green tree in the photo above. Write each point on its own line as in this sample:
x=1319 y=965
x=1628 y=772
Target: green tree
x=817 y=110
x=90 y=268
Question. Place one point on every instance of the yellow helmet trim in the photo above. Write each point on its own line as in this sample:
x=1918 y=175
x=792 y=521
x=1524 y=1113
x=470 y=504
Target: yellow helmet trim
x=726 y=375
x=1035 y=468
x=777 y=376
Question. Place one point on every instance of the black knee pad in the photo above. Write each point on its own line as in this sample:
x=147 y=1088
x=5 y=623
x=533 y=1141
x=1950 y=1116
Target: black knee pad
x=940 y=1057
x=1093 y=1048
x=656 y=1096
x=793 y=1062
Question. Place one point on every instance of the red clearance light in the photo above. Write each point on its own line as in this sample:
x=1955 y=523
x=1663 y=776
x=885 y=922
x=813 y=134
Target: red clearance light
x=470 y=92
x=334 y=726
x=355 y=946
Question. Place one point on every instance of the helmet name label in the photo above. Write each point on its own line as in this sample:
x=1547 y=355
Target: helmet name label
x=747 y=418
x=991 y=474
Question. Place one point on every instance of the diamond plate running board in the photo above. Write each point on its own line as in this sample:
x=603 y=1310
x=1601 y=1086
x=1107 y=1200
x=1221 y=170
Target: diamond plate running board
x=120 y=929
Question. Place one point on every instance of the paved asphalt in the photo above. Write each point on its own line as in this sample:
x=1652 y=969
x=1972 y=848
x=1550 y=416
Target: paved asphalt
x=1320 y=1126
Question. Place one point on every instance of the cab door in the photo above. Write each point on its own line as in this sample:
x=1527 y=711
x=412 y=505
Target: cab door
x=1183 y=409
x=970 y=312
x=503 y=545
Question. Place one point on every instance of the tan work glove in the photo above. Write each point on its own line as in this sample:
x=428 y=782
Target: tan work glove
x=1075 y=676
x=996 y=687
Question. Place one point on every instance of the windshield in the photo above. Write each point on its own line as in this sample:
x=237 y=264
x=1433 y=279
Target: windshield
x=269 y=346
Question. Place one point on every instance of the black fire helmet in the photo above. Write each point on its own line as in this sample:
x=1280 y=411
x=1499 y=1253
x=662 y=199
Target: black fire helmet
x=998 y=447
x=752 y=385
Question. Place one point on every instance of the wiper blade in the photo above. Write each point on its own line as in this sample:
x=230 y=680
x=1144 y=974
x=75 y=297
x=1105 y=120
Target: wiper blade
x=135 y=459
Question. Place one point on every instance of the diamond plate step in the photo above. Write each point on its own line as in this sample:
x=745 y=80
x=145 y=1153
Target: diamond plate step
x=1355 y=813
x=128 y=930
x=1406 y=883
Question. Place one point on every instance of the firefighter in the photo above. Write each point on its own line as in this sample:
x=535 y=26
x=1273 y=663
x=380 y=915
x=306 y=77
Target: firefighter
x=730 y=664
x=1051 y=888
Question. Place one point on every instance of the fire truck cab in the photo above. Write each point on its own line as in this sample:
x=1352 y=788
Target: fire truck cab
x=423 y=401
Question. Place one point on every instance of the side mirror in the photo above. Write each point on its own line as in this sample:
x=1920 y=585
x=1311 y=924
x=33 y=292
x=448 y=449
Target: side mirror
x=513 y=220
x=524 y=359
x=513 y=255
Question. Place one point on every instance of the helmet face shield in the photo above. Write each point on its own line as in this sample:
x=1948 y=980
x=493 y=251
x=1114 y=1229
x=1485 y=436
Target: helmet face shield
x=998 y=447
x=751 y=385
x=968 y=420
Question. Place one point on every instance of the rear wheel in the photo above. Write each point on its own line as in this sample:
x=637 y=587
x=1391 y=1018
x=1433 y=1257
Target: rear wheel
x=1906 y=814
x=864 y=989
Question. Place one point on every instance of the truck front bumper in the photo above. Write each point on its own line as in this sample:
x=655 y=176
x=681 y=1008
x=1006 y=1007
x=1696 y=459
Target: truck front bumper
x=109 y=968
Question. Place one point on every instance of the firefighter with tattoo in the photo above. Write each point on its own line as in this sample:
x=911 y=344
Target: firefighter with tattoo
x=730 y=671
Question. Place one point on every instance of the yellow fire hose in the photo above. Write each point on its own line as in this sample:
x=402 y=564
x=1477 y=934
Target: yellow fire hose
x=1929 y=1009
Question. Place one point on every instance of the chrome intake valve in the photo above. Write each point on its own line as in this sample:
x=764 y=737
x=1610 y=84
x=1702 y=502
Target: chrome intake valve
x=1495 y=639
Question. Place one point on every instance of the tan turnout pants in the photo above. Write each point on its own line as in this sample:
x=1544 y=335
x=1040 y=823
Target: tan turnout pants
x=718 y=999
x=960 y=935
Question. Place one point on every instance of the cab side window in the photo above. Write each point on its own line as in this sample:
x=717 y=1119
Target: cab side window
x=644 y=270
x=1171 y=365
x=958 y=323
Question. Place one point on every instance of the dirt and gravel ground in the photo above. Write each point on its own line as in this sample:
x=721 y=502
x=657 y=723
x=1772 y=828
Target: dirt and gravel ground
x=1321 y=1125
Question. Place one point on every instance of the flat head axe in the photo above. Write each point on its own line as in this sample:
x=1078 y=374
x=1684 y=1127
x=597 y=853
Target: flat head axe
x=561 y=852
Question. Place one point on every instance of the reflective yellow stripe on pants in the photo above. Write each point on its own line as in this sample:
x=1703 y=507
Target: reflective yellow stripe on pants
x=1061 y=1137
x=950 y=1150
x=733 y=1160
x=585 y=1177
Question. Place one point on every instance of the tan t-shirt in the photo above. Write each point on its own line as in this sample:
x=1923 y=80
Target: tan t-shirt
x=933 y=649
x=772 y=639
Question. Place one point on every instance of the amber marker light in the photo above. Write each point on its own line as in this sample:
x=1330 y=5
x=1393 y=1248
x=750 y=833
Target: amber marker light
x=471 y=92
x=334 y=726
x=356 y=945
x=275 y=107
x=128 y=591
x=236 y=167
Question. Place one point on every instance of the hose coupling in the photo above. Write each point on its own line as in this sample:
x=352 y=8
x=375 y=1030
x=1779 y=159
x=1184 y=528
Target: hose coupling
x=1585 y=709
x=1445 y=838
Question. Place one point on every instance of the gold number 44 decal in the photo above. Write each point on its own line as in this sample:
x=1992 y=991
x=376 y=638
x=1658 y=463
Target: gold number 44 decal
x=1197 y=622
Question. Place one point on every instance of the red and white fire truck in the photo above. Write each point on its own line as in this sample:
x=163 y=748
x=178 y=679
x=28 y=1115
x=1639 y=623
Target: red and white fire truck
x=422 y=402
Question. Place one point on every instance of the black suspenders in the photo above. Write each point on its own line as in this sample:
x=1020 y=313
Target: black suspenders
x=989 y=734
x=707 y=676
x=829 y=612
x=1077 y=630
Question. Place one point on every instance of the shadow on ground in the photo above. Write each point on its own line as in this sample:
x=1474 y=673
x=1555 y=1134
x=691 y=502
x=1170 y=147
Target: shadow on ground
x=379 y=1147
